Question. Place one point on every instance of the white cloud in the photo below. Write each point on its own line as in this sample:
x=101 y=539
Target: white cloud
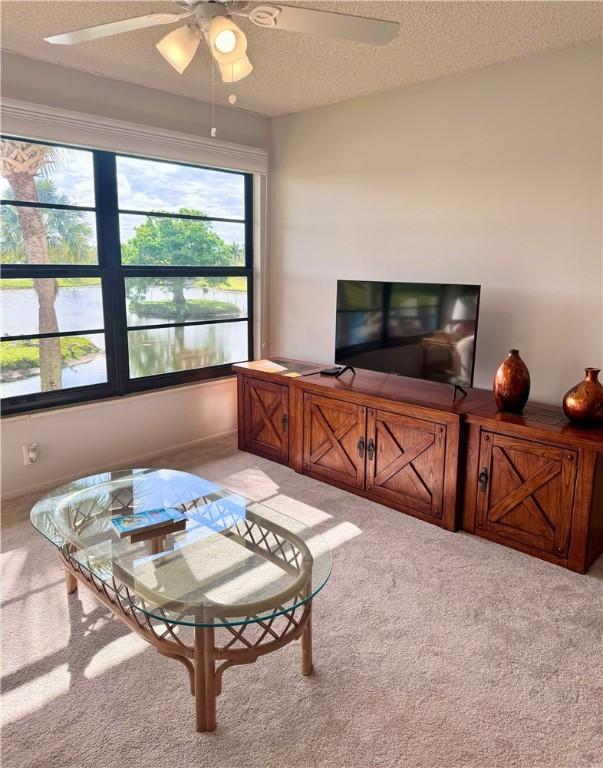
x=153 y=185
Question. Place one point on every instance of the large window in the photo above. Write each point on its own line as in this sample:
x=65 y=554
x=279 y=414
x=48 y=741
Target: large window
x=118 y=273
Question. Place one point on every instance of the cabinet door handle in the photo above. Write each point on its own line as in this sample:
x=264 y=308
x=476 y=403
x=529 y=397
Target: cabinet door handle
x=370 y=449
x=361 y=447
x=284 y=421
x=483 y=479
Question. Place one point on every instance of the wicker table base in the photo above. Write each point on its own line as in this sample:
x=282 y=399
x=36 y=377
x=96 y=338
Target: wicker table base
x=242 y=644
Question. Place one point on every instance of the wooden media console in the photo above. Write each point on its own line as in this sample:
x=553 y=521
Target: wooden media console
x=533 y=482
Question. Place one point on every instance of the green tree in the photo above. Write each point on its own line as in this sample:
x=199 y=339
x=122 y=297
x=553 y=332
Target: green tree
x=164 y=241
x=67 y=232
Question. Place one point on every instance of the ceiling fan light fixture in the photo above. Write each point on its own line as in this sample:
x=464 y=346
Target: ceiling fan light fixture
x=179 y=47
x=237 y=70
x=227 y=42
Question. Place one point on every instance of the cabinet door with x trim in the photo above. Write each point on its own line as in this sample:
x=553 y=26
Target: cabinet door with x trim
x=405 y=461
x=526 y=491
x=334 y=440
x=265 y=428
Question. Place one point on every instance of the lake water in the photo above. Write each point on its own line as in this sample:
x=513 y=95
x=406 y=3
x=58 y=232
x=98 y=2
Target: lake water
x=150 y=351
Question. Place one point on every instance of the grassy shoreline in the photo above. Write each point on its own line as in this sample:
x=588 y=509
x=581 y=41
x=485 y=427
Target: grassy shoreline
x=21 y=283
x=193 y=309
x=21 y=359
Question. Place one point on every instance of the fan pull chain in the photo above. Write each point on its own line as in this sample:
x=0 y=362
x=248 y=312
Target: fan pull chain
x=232 y=99
x=213 y=131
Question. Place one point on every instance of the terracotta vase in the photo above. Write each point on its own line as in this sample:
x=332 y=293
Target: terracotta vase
x=584 y=402
x=512 y=383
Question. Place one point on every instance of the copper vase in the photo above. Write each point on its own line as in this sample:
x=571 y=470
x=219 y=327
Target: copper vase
x=584 y=402
x=512 y=383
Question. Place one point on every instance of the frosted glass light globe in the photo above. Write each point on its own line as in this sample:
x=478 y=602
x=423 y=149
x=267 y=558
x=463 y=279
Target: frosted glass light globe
x=226 y=41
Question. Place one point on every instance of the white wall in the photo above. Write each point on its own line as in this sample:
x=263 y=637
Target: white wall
x=90 y=438
x=491 y=177
x=55 y=86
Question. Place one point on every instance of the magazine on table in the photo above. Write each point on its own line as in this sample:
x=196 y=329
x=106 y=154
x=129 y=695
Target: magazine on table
x=138 y=522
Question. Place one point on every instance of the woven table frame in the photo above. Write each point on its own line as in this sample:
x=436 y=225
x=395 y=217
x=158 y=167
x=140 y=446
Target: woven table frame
x=211 y=650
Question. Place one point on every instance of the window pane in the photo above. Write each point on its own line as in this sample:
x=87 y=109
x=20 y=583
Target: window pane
x=71 y=304
x=152 y=300
x=233 y=236
x=40 y=172
x=162 y=241
x=47 y=236
x=50 y=364
x=164 y=350
x=151 y=185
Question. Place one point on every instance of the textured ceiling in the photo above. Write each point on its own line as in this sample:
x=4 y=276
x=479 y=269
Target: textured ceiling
x=294 y=72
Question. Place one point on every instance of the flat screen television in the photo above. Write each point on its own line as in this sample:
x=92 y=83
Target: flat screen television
x=422 y=330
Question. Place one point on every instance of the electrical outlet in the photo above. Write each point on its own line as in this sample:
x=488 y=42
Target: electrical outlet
x=30 y=453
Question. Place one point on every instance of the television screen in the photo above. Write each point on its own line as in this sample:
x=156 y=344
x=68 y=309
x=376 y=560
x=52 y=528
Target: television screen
x=423 y=330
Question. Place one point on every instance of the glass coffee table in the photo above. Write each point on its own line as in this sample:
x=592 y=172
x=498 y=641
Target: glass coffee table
x=231 y=582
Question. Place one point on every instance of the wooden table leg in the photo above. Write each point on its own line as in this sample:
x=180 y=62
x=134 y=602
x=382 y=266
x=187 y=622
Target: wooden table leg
x=306 y=644
x=156 y=545
x=70 y=582
x=205 y=679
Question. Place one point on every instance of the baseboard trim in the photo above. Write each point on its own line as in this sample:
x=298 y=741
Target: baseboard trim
x=131 y=461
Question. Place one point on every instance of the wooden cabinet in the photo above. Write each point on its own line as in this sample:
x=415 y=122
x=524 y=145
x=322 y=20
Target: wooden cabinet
x=405 y=461
x=390 y=456
x=531 y=481
x=334 y=441
x=264 y=418
x=535 y=483
x=526 y=491
x=379 y=436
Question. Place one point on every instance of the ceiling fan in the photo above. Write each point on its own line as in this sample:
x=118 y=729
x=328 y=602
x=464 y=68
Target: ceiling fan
x=212 y=22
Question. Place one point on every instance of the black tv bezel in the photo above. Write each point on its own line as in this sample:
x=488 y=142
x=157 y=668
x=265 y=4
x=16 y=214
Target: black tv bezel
x=478 y=286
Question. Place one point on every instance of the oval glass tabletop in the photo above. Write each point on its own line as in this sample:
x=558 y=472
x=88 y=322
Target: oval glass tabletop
x=211 y=557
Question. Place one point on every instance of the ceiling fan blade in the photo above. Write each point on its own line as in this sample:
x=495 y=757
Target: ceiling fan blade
x=115 y=28
x=294 y=19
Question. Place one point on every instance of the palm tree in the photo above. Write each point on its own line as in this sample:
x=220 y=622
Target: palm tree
x=20 y=163
x=237 y=253
x=67 y=232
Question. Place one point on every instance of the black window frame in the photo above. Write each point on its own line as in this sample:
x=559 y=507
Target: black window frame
x=113 y=276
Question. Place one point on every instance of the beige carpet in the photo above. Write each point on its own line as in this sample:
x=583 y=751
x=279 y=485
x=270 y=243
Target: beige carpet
x=431 y=649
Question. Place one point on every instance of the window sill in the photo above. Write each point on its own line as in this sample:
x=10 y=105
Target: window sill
x=167 y=391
